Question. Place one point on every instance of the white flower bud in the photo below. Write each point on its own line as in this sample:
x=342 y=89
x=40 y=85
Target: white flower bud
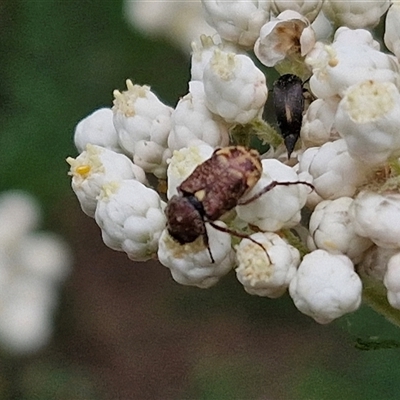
x=191 y=263
x=178 y=21
x=131 y=218
x=26 y=318
x=97 y=128
x=392 y=29
x=287 y=35
x=318 y=122
x=392 y=281
x=368 y=118
x=332 y=230
x=237 y=21
x=140 y=116
x=44 y=255
x=377 y=217
x=192 y=122
x=264 y=275
x=151 y=157
x=280 y=207
x=335 y=173
x=352 y=58
x=355 y=14
x=183 y=163
x=307 y=8
x=19 y=214
x=234 y=87
x=322 y=27
x=325 y=286
x=95 y=167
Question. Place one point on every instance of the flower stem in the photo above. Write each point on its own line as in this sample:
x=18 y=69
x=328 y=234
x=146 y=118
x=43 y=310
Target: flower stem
x=374 y=295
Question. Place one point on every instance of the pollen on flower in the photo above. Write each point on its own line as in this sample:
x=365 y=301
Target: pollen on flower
x=254 y=264
x=206 y=42
x=183 y=161
x=83 y=170
x=333 y=61
x=87 y=163
x=77 y=169
x=224 y=64
x=124 y=102
x=108 y=190
x=370 y=100
x=180 y=251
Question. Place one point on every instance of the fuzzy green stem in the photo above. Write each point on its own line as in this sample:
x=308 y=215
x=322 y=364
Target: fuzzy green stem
x=242 y=134
x=295 y=241
x=374 y=295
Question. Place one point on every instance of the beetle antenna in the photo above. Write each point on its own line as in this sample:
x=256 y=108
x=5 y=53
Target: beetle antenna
x=270 y=187
x=239 y=235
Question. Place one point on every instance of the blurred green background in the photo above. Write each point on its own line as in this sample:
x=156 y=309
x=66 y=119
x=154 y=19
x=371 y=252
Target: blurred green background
x=125 y=330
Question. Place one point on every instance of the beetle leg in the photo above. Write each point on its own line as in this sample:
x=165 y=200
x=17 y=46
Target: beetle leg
x=206 y=243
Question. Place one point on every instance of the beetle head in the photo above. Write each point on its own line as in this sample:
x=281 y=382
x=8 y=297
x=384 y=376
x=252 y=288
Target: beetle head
x=185 y=223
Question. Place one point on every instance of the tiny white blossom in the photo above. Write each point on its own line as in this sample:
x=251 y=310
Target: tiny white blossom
x=318 y=122
x=151 y=157
x=178 y=21
x=191 y=263
x=140 y=119
x=264 y=275
x=45 y=255
x=96 y=166
x=325 y=286
x=286 y=35
x=322 y=27
x=308 y=8
x=192 y=122
x=332 y=230
x=202 y=51
x=26 y=315
x=280 y=207
x=355 y=14
x=392 y=281
x=238 y=22
x=235 y=88
x=392 y=29
x=97 y=128
x=335 y=172
x=368 y=118
x=19 y=214
x=131 y=218
x=377 y=217
x=182 y=164
x=353 y=57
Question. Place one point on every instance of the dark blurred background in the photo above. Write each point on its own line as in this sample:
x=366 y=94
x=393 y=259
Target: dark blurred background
x=126 y=330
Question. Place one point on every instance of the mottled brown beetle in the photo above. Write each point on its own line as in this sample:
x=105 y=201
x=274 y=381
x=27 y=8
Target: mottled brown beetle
x=214 y=188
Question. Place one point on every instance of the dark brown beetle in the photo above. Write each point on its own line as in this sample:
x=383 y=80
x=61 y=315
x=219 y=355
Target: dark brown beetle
x=289 y=107
x=215 y=187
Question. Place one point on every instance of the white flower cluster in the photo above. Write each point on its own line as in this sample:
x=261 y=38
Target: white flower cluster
x=345 y=167
x=33 y=265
